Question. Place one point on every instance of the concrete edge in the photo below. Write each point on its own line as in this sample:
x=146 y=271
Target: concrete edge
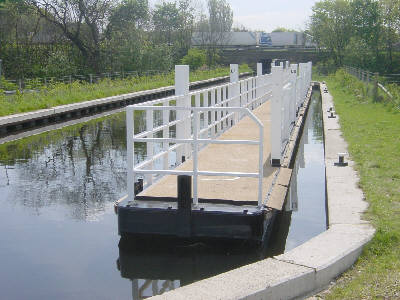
x=310 y=267
x=53 y=111
x=277 y=194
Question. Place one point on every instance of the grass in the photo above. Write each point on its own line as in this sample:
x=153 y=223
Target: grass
x=372 y=130
x=60 y=93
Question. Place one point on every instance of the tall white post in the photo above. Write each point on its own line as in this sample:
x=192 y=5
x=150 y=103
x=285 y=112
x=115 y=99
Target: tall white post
x=259 y=69
x=149 y=145
x=130 y=152
x=259 y=82
x=293 y=99
x=302 y=82
x=276 y=115
x=234 y=90
x=183 y=129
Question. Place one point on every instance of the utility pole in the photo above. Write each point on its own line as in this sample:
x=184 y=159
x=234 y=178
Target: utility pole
x=0 y=68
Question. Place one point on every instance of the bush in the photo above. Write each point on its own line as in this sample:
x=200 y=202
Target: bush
x=195 y=58
x=7 y=85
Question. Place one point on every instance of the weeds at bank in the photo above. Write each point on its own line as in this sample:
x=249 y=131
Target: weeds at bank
x=61 y=93
x=372 y=130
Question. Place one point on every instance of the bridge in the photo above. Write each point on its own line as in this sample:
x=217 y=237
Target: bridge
x=217 y=160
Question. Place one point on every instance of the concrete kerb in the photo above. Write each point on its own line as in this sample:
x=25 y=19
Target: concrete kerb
x=51 y=112
x=311 y=266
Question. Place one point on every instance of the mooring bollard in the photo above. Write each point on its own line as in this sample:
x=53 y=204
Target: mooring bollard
x=341 y=162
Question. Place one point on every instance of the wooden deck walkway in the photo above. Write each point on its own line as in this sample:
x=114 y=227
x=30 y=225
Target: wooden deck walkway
x=228 y=158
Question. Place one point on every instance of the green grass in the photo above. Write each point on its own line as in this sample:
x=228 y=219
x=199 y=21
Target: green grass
x=60 y=93
x=372 y=131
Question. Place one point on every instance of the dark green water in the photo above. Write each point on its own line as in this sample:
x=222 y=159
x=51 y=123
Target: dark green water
x=58 y=236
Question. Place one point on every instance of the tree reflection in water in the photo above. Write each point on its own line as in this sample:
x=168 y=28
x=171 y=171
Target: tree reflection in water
x=82 y=167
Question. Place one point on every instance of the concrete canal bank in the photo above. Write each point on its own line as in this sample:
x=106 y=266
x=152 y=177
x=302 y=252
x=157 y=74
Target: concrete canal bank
x=24 y=121
x=311 y=266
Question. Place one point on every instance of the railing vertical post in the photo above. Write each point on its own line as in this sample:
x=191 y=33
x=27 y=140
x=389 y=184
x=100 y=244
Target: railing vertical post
x=195 y=156
x=213 y=114
x=276 y=115
x=165 y=119
x=150 y=145
x=205 y=104
x=197 y=104
x=261 y=167
x=260 y=92
x=130 y=153
x=259 y=69
x=234 y=89
x=293 y=100
x=183 y=129
x=218 y=102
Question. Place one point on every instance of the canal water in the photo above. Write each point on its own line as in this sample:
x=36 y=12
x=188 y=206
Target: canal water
x=58 y=229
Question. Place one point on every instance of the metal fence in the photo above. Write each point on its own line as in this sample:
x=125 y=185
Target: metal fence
x=374 y=81
x=29 y=84
x=200 y=117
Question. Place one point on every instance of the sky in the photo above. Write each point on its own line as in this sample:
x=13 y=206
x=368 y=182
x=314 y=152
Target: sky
x=266 y=15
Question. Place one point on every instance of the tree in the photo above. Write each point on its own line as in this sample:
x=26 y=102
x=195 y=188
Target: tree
x=81 y=21
x=390 y=10
x=283 y=29
x=367 y=21
x=132 y=14
x=166 y=20
x=331 y=27
x=214 y=29
x=173 y=24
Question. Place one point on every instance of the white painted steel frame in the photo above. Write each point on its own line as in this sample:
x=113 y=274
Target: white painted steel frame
x=290 y=87
x=219 y=108
x=195 y=141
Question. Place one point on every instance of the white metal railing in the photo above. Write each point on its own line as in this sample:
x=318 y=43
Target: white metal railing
x=291 y=84
x=195 y=141
x=199 y=117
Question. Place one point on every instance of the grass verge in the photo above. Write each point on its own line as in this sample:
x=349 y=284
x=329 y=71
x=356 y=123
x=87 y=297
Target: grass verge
x=60 y=93
x=372 y=131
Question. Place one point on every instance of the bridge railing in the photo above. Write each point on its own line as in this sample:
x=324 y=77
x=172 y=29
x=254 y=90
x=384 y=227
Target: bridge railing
x=179 y=126
x=195 y=141
x=175 y=128
x=291 y=83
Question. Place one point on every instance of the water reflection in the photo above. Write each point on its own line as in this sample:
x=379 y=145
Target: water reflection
x=304 y=215
x=81 y=167
x=53 y=183
x=157 y=265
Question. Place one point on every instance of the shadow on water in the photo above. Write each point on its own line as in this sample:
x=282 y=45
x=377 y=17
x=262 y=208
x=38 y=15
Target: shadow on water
x=158 y=265
x=58 y=234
